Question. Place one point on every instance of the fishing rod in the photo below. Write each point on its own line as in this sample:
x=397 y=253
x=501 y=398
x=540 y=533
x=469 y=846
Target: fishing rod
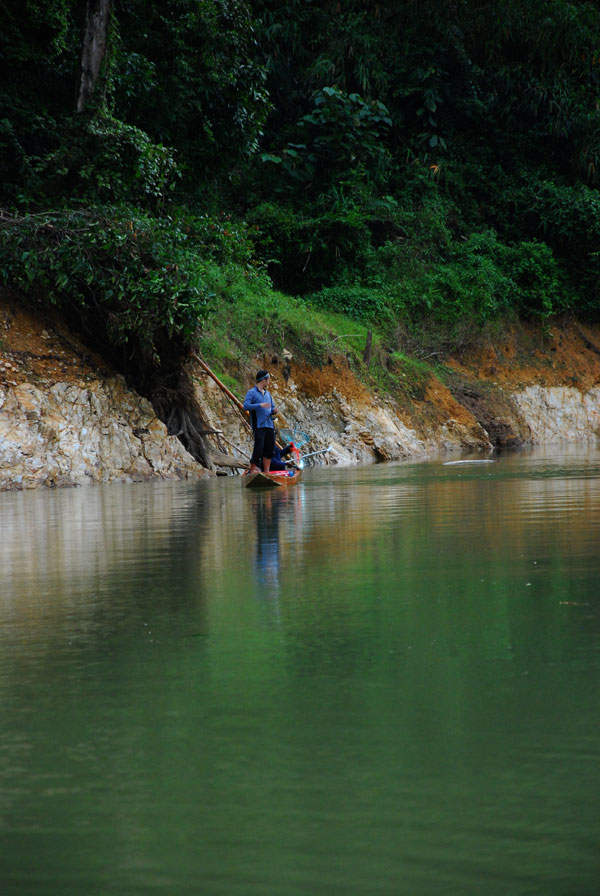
x=301 y=457
x=313 y=453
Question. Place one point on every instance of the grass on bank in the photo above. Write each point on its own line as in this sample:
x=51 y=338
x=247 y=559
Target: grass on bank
x=147 y=290
x=251 y=320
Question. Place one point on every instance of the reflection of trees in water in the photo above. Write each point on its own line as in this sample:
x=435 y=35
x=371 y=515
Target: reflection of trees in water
x=99 y=557
x=480 y=565
x=91 y=557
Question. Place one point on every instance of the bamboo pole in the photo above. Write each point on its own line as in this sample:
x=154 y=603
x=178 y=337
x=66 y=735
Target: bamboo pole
x=238 y=404
x=221 y=385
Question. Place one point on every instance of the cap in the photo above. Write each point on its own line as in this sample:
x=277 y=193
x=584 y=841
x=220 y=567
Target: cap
x=262 y=375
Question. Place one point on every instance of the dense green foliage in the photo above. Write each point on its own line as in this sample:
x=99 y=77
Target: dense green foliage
x=403 y=165
x=138 y=285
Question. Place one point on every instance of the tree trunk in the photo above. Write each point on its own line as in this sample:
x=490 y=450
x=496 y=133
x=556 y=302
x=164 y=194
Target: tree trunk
x=367 y=351
x=95 y=33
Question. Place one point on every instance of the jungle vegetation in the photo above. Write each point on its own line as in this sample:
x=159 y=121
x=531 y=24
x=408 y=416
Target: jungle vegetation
x=227 y=174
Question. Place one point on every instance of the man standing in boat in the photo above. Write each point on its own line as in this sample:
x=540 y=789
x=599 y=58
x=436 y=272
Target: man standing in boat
x=259 y=403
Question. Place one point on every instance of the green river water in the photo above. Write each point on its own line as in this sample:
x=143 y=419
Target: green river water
x=382 y=681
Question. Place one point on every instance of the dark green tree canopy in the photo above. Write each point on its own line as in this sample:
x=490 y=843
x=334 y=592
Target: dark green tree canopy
x=431 y=158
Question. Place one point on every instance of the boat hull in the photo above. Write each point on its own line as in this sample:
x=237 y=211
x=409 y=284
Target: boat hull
x=271 y=480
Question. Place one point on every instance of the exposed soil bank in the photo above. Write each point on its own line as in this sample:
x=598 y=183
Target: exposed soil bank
x=66 y=419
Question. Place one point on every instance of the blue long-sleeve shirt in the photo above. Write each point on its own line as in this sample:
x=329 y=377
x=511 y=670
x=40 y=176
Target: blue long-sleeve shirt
x=261 y=417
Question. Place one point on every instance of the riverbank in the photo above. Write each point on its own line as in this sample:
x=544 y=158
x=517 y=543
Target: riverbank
x=531 y=387
x=67 y=419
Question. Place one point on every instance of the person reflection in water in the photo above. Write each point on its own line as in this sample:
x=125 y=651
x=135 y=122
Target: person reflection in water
x=268 y=543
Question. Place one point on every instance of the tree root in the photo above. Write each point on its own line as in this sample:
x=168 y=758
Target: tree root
x=188 y=429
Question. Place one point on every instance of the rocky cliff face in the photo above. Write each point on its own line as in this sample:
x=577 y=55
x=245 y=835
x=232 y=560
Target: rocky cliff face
x=77 y=433
x=530 y=388
x=560 y=413
x=66 y=420
x=335 y=410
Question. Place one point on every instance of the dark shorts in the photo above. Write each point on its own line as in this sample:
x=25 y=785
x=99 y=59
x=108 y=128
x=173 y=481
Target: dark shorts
x=264 y=444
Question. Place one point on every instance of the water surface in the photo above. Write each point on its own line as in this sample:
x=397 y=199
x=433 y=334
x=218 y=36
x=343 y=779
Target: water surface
x=383 y=681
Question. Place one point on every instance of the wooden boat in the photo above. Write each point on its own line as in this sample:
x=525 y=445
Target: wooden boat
x=278 y=479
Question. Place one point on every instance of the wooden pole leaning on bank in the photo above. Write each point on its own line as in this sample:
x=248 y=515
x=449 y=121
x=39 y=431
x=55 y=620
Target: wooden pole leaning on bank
x=236 y=402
